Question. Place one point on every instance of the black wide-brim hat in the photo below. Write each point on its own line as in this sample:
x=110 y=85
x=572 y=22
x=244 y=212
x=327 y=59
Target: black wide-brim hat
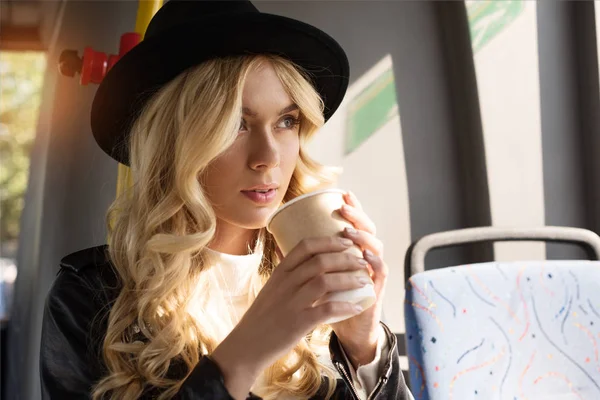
x=184 y=33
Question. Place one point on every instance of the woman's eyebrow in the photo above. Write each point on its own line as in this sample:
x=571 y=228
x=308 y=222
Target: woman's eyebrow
x=248 y=112
x=290 y=108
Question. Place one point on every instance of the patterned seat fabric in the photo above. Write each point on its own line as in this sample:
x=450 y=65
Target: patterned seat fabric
x=514 y=331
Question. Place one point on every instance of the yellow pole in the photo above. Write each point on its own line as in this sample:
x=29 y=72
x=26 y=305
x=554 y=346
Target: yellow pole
x=145 y=12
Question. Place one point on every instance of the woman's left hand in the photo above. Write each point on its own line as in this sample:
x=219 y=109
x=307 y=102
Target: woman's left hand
x=359 y=334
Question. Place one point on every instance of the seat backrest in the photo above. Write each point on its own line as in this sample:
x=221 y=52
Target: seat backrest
x=518 y=330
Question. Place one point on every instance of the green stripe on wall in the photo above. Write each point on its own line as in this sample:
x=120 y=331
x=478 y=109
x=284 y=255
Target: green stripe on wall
x=370 y=110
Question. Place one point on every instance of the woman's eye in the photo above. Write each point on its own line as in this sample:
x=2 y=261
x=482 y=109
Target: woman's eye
x=242 y=126
x=289 y=122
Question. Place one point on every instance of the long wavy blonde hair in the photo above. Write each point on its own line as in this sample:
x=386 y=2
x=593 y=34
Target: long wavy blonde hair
x=159 y=229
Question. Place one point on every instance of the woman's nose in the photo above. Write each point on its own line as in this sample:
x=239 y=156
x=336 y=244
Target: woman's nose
x=264 y=151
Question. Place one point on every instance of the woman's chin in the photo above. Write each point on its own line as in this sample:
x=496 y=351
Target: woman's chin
x=255 y=219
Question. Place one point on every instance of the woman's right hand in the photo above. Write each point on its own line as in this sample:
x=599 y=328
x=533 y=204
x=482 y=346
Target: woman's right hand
x=284 y=311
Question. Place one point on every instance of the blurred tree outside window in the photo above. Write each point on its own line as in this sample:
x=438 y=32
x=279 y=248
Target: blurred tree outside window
x=21 y=79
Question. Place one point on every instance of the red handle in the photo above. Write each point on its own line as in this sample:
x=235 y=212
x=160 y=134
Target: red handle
x=94 y=65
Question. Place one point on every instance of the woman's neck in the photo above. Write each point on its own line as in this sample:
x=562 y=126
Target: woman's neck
x=231 y=239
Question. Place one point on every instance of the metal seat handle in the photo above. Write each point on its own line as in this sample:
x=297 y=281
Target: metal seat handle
x=586 y=238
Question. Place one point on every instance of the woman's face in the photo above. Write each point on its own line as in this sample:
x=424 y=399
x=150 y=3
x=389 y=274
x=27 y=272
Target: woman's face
x=247 y=182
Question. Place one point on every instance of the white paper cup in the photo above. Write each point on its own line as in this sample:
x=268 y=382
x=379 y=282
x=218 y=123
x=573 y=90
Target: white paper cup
x=313 y=215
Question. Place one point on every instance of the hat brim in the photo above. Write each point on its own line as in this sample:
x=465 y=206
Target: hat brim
x=155 y=61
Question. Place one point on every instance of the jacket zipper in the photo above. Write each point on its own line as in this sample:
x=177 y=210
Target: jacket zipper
x=342 y=370
x=382 y=381
x=380 y=384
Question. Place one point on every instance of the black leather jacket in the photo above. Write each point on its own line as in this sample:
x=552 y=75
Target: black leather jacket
x=75 y=319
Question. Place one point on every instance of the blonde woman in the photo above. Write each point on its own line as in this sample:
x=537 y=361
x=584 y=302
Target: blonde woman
x=191 y=298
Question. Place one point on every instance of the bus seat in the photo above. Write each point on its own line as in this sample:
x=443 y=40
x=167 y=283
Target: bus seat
x=504 y=330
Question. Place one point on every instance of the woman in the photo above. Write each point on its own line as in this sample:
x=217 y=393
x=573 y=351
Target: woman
x=185 y=301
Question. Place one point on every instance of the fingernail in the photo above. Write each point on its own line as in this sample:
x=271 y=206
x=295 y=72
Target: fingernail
x=363 y=281
x=368 y=253
x=346 y=242
x=362 y=261
x=346 y=208
x=358 y=308
x=350 y=230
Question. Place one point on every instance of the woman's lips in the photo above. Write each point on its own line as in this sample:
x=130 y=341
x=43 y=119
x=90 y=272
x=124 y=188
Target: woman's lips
x=260 y=197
